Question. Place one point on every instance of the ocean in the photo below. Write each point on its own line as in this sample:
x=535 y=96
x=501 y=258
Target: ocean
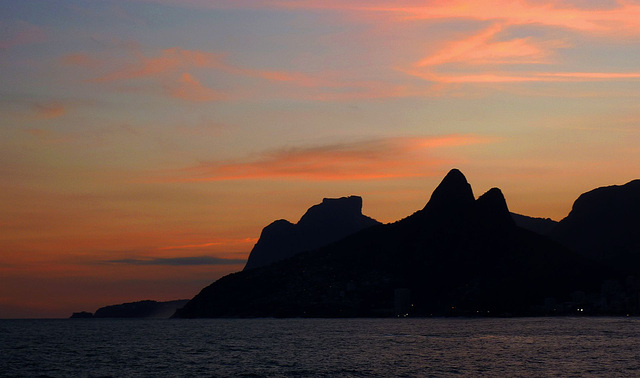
x=320 y=347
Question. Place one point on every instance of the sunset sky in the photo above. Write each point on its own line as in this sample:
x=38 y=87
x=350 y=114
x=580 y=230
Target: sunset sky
x=144 y=144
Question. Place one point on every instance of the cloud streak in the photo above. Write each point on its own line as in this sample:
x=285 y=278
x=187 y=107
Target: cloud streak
x=624 y=18
x=171 y=68
x=49 y=110
x=483 y=48
x=211 y=244
x=17 y=33
x=485 y=57
x=189 y=88
x=367 y=160
x=180 y=261
x=616 y=18
x=178 y=60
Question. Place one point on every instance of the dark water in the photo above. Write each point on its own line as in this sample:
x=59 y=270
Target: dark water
x=321 y=347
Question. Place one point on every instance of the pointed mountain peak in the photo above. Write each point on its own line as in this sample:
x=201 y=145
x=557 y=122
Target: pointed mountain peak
x=454 y=192
x=494 y=196
x=456 y=175
x=492 y=206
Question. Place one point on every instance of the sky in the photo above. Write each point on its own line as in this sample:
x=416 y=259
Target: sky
x=144 y=144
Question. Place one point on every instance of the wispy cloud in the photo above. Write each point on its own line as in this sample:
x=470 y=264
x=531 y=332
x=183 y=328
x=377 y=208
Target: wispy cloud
x=170 y=68
x=170 y=60
x=179 y=60
x=189 y=88
x=49 y=110
x=484 y=48
x=16 y=33
x=173 y=69
x=365 y=160
x=180 y=261
x=80 y=60
x=485 y=58
x=489 y=55
x=506 y=77
x=211 y=244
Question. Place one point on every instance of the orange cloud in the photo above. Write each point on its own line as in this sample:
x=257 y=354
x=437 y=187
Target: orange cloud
x=35 y=133
x=170 y=60
x=49 y=110
x=180 y=261
x=79 y=59
x=374 y=159
x=242 y=241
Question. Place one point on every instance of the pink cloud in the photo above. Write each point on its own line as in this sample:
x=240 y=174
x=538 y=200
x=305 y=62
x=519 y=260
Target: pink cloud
x=481 y=58
x=483 y=48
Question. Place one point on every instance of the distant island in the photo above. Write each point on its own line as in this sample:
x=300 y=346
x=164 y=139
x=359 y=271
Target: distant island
x=458 y=256
x=139 y=309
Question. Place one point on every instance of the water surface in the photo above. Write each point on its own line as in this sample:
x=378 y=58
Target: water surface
x=320 y=347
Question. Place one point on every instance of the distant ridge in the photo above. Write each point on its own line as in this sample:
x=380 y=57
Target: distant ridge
x=139 y=309
x=456 y=256
x=322 y=224
x=542 y=226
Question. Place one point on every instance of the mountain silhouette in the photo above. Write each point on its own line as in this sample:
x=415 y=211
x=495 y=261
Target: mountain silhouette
x=604 y=225
x=322 y=224
x=542 y=226
x=457 y=256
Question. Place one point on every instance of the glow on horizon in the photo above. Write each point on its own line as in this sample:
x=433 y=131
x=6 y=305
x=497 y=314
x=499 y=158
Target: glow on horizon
x=145 y=143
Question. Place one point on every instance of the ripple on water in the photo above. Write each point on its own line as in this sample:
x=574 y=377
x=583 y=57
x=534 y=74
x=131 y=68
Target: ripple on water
x=321 y=347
